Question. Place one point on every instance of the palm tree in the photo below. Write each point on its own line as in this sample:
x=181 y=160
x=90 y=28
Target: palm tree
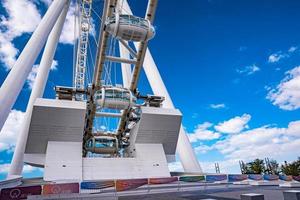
x=257 y=166
x=292 y=168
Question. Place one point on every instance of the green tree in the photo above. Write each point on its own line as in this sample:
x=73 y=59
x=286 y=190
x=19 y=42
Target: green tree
x=292 y=168
x=272 y=167
x=257 y=166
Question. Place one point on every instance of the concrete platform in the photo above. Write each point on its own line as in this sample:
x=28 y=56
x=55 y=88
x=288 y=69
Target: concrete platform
x=290 y=185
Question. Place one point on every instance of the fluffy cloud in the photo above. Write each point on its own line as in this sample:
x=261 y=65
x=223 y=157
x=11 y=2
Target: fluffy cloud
x=217 y=106
x=280 y=143
x=248 y=70
x=202 y=133
x=13 y=25
x=4 y=168
x=267 y=141
x=234 y=125
x=276 y=57
x=32 y=75
x=10 y=130
x=67 y=35
x=16 y=22
x=287 y=94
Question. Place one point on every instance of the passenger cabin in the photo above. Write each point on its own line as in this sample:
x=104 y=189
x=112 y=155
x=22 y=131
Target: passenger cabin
x=130 y=28
x=114 y=98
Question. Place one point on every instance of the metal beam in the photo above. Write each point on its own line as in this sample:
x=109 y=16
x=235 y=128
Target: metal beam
x=150 y=13
x=184 y=148
x=120 y=60
x=109 y=6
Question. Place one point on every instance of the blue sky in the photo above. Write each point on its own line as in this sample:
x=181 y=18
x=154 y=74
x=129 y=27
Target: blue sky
x=231 y=67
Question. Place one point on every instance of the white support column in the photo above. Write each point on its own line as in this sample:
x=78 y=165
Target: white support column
x=185 y=151
x=126 y=68
x=124 y=53
x=16 y=78
x=37 y=92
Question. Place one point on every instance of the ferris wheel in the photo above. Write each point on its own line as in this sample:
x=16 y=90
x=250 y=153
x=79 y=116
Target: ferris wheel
x=105 y=78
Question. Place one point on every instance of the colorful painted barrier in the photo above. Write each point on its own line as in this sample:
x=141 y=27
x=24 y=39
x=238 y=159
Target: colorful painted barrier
x=237 y=177
x=153 y=181
x=296 y=178
x=122 y=185
x=97 y=184
x=214 y=178
x=285 y=178
x=192 y=178
x=270 y=177
x=20 y=192
x=65 y=188
x=255 y=177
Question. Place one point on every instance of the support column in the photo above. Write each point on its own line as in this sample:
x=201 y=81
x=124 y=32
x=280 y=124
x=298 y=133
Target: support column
x=37 y=92
x=185 y=151
x=126 y=68
x=16 y=78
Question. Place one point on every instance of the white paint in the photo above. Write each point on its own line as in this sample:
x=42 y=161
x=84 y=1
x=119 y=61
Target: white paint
x=37 y=90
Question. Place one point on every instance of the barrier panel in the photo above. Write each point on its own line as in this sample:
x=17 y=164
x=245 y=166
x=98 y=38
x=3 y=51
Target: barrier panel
x=122 y=185
x=271 y=177
x=97 y=184
x=237 y=177
x=296 y=178
x=153 y=181
x=65 y=188
x=192 y=178
x=255 y=177
x=214 y=178
x=20 y=192
x=285 y=178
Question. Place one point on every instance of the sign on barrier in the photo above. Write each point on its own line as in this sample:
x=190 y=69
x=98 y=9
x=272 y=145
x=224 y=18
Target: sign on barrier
x=20 y=192
x=255 y=177
x=214 y=178
x=122 y=185
x=162 y=180
x=97 y=184
x=271 y=177
x=66 y=188
x=285 y=178
x=296 y=178
x=191 y=178
x=237 y=177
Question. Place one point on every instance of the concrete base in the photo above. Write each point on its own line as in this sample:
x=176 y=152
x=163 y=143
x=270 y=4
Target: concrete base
x=290 y=185
x=291 y=195
x=252 y=196
x=246 y=182
x=264 y=183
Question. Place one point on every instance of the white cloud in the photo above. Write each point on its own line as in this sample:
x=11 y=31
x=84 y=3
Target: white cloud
x=202 y=133
x=67 y=35
x=32 y=75
x=249 y=70
x=267 y=141
x=287 y=94
x=4 y=168
x=13 y=25
x=10 y=130
x=276 y=57
x=234 y=125
x=292 y=49
x=217 y=106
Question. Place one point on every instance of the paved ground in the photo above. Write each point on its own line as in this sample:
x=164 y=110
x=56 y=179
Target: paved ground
x=231 y=193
